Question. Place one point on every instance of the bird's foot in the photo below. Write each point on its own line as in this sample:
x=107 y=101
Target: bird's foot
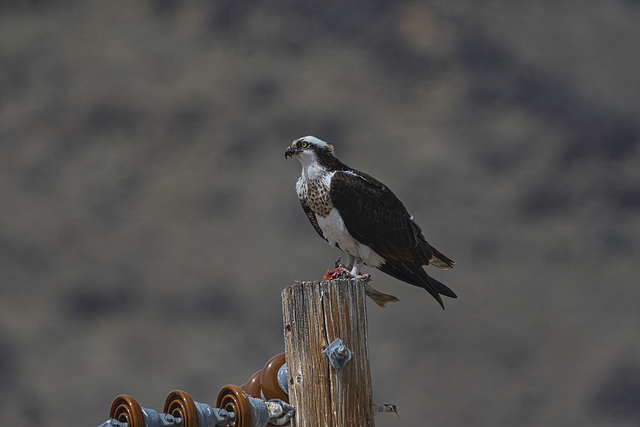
x=340 y=272
x=364 y=277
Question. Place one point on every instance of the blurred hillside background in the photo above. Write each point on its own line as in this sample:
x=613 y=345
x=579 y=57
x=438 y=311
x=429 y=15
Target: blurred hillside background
x=149 y=219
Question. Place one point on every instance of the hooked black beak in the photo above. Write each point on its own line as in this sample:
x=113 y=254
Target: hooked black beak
x=290 y=152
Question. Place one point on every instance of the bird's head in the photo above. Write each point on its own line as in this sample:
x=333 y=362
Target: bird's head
x=310 y=149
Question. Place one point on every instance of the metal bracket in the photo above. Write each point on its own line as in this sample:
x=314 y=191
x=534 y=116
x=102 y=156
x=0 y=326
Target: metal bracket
x=280 y=413
x=338 y=354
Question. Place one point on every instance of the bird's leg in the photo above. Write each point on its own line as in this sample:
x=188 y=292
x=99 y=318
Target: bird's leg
x=355 y=271
x=350 y=261
x=355 y=268
x=342 y=270
x=355 y=264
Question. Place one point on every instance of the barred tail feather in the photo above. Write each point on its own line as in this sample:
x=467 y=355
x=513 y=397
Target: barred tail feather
x=440 y=260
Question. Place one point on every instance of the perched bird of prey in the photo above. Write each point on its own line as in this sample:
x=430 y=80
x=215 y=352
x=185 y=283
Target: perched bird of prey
x=363 y=218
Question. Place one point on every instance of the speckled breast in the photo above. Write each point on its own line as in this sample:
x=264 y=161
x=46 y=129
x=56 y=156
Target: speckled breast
x=316 y=194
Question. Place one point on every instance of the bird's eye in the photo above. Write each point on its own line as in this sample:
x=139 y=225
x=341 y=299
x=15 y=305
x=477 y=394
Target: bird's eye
x=304 y=144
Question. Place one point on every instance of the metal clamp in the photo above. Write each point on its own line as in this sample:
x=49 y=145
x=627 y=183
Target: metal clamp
x=279 y=412
x=338 y=354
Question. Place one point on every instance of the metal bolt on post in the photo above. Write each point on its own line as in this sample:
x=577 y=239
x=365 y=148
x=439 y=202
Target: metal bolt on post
x=338 y=354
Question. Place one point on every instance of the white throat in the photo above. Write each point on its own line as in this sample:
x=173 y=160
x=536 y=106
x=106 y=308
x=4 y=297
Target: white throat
x=311 y=169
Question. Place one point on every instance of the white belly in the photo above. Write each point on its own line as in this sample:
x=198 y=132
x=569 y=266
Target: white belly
x=336 y=233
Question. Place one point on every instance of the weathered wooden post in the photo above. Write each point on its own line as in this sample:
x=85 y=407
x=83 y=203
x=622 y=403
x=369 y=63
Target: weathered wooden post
x=315 y=314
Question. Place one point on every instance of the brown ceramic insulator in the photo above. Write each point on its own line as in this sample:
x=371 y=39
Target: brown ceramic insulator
x=253 y=386
x=269 y=379
x=127 y=410
x=232 y=399
x=180 y=405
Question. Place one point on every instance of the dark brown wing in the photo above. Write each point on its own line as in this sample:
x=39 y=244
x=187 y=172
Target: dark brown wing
x=312 y=217
x=377 y=218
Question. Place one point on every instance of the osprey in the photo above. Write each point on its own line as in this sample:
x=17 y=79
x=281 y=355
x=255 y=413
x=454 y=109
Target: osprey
x=363 y=218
